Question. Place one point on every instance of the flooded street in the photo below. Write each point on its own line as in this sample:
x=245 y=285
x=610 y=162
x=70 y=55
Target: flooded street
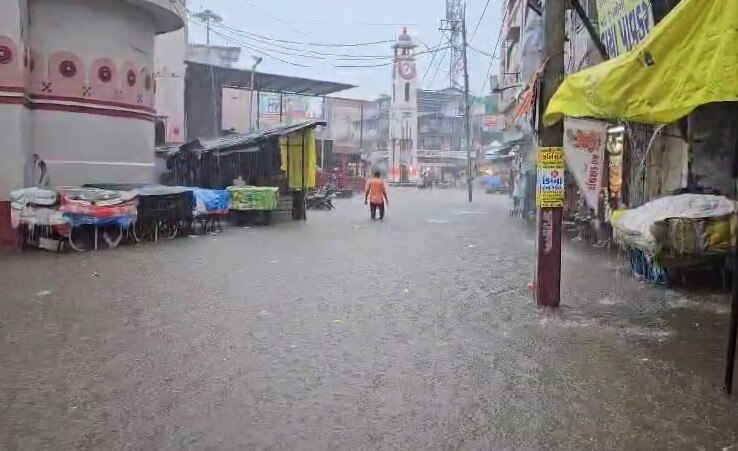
x=343 y=333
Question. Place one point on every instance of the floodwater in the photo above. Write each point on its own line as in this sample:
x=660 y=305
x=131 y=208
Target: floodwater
x=343 y=333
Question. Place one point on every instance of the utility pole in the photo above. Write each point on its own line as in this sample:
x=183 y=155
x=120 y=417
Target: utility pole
x=455 y=15
x=257 y=61
x=455 y=24
x=548 y=263
x=467 y=108
x=207 y=16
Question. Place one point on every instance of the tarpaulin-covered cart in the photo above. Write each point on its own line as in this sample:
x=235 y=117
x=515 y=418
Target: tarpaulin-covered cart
x=249 y=201
x=97 y=217
x=35 y=214
x=670 y=237
x=210 y=207
x=163 y=211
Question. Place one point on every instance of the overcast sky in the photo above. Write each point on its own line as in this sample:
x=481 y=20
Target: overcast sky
x=342 y=22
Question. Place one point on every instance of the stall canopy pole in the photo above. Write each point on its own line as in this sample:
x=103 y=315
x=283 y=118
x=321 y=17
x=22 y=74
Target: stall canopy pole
x=303 y=207
x=730 y=361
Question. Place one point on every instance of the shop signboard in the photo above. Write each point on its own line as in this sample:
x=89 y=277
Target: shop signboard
x=623 y=23
x=297 y=108
x=270 y=106
x=584 y=150
x=550 y=189
x=493 y=122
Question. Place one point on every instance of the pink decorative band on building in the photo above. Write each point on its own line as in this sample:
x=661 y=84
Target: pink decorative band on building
x=83 y=106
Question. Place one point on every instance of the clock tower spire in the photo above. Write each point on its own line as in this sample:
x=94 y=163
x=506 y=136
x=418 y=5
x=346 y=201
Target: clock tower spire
x=403 y=152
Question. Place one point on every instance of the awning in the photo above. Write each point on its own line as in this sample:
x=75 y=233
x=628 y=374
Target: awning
x=689 y=59
x=241 y=79
x=248 y=142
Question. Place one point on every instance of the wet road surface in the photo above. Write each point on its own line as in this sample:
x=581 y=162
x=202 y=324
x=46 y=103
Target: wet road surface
x=342 y=333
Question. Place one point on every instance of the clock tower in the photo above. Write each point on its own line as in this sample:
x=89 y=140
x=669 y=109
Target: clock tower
x=403 y=129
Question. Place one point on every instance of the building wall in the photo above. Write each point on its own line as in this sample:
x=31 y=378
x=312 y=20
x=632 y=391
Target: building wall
x=79 y=147
x=81 y=74
x=667 y=164
x=13 y=114
x=169 y=63
x=712 y=140
x=235 y=114
x=344 y=118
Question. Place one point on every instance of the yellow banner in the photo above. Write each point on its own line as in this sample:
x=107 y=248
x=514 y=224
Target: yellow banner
x=689 y=59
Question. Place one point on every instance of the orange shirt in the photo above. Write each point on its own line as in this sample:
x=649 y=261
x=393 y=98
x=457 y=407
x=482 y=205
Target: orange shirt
x=375 y=189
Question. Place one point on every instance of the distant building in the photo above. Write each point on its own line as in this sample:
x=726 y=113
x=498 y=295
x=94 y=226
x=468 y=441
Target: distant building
x=220 y=99
x=215 y=55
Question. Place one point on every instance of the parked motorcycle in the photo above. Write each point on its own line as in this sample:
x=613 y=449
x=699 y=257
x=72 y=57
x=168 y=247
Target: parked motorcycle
x=322 y=199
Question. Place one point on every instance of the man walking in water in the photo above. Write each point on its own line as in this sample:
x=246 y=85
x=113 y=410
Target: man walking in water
x=376 y=195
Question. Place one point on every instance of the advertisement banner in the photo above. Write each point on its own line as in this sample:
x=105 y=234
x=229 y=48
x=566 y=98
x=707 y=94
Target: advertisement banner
x=269 y=110
x=493 y=122
x=344 y=120
x=623 y=23
x=584 y=148
x=550 y=189
x=297 y=108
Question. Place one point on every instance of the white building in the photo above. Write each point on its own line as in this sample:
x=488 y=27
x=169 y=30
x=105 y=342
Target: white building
x=170 y=68
x=77 y=89
x=403 y=140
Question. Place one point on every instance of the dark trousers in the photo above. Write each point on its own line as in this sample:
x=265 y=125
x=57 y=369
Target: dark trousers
x=374 y=207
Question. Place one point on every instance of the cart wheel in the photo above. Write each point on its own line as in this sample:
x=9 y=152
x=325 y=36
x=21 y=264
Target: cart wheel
x=168 y=230
x=142 y=231
x=112 y=240
x=78 y=240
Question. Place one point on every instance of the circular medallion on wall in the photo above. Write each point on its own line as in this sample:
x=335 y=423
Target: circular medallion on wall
x=68 y=69
x=175 y=130
x=131 y=78
x=105 y=74
x=6 y=54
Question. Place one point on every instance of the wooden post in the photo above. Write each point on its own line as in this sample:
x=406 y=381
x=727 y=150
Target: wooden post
x=303 y=196
x=548 y=264
x=733 y=335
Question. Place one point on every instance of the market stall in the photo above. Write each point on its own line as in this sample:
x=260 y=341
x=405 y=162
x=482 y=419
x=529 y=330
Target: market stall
x=283 y=158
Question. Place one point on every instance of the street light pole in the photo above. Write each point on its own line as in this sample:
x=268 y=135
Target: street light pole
x=257 y=61
x=207 y=16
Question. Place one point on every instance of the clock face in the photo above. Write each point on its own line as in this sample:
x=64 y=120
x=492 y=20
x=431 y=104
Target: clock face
x=407 y=70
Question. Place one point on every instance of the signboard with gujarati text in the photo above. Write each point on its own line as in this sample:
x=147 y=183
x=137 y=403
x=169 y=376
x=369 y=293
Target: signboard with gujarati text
x=550 y=186
x=623 y=23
